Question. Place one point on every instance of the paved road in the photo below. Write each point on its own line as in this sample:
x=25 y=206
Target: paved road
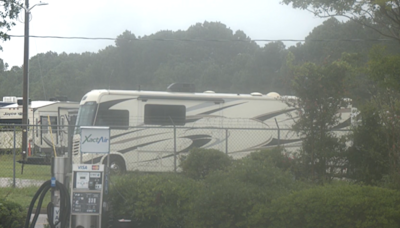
x=41 y=221
x=19 y=183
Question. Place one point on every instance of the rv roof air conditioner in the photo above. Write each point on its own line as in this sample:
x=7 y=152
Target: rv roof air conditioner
x=10 y=99
x=273 y=95
x=256 y=94
x=181 y=87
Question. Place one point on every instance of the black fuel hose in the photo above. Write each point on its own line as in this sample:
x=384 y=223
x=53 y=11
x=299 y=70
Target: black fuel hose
x=65 y=206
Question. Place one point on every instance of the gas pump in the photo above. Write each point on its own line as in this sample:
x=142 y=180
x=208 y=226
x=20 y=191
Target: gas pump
x=90 y=180
x=87 y=195
x=82 y=206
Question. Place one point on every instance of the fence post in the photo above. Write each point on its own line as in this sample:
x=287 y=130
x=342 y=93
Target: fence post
x=14 y=157
x=279 y=133
x=226 y=140
x=174 y=148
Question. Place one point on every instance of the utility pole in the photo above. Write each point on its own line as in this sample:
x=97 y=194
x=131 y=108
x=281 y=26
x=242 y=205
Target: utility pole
x=25 y=92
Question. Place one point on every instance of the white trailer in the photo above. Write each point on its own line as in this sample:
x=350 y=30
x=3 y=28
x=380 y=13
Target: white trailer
x=150 y=130
x=8 y=101
x=44 y=118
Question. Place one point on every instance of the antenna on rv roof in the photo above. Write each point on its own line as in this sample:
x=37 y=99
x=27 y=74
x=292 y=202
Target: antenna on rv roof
x=181 y=87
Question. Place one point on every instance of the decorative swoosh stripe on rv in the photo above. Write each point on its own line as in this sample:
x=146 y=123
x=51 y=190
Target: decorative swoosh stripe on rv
x=197 y=142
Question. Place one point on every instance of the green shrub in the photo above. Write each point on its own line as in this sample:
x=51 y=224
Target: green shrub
x=336 y=206
x=153 y=200
x=12 y=215
x=200 y=162
x=274 y=155
x=226 y=203
x=231 y=197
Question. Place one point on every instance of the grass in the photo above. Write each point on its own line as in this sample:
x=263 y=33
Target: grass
x=35 y=172
x=23 y=196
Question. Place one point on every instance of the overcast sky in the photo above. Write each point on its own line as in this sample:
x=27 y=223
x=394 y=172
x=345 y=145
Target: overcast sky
x=259 y=19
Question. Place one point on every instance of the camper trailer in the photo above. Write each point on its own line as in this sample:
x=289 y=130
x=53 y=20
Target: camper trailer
x=46 y=119
x=150 y=131
x=8 y=101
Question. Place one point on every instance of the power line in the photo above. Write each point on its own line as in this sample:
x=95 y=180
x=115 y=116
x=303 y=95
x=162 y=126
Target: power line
x=205 y=40
x=69 y=37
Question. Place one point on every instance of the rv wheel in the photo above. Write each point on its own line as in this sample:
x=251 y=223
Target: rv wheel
x=117 y=165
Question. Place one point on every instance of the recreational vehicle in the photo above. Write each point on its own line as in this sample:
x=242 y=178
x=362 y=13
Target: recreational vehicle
x=150 y=131
x=8 y=100
x=45 y=131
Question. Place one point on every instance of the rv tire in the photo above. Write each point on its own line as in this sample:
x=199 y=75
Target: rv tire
x=117 y=165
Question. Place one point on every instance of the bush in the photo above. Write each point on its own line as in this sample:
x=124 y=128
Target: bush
x=274 y=155
x=336 y=206
x=249 y=193
x=153 y=200
x=12 y=215
x=231 y=197
x=200 y=162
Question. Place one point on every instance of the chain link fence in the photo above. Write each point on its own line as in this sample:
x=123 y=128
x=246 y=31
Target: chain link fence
x=19 y=168
x=145 y=148
x=160 y=149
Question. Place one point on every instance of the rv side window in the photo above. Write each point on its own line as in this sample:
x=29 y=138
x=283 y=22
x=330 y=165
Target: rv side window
x=164 y=114
x=117 y=119
x=46 y=125
x=6 y=124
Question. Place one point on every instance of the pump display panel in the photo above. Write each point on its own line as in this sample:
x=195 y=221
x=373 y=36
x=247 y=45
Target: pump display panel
x=84 y=202
x=87 y=189
x=88 y=180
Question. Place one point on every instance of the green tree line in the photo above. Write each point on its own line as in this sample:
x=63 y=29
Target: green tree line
x=209 y=55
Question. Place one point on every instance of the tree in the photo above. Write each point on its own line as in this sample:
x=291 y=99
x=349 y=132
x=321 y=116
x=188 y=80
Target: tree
x=320 y=90
x=328 y=41
x=368 y=157
x=375 y=152
x=9 y=12
x=383 y=68
x=2 y=65
x=384 y=14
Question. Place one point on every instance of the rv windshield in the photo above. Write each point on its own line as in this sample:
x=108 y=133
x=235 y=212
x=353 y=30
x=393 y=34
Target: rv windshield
x=86 y=115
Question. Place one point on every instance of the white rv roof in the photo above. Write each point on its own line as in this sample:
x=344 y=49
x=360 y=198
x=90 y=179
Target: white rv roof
x=95 y=94
x=34 y=104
